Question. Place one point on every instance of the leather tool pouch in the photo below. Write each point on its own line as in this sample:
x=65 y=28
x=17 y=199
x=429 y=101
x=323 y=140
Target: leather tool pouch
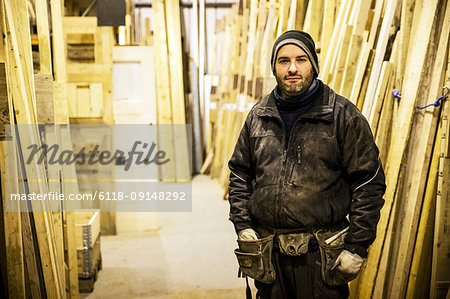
x=294 y=244
x=329 y=253
x=255 y=259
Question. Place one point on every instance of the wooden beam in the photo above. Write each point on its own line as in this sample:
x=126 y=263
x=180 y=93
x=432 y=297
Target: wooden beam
x=180 y=146
x=380 y=92
x=45 y=59
x=423 y=151
x=359 y=75
x=441 y=246
x=316 y=15
x=292 y=15
x=405 y=32
x=300 y=14
x=379 y=56
x=59 y=52
x=400 y=137
x=69 y=185
x=327 y=29
x=11 y=232
x=44 y=98
x=339 y=30
x=355 y=48
x=24 y=105
x=59 y=63
x=163 y=91
x=341 y=58
x=285 y=7
x=419 y=276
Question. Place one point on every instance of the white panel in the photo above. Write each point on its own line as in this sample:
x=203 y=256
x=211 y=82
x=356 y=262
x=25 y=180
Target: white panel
x=127 y=80
x=134 y=85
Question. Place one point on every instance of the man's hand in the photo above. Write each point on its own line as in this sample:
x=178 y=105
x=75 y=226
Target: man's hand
x=247 y=234
x=349 y=263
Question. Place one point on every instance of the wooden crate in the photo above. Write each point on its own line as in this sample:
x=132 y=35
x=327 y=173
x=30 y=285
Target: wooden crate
x=88 y=248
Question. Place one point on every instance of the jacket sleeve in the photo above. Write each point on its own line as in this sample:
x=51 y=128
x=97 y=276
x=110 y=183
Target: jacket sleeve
x=364 y=172
x=241 y=180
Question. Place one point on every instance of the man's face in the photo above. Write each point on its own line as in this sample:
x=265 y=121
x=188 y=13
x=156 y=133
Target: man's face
x=293 y=70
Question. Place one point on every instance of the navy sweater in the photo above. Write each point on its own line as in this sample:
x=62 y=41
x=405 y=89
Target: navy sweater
x=291 y=109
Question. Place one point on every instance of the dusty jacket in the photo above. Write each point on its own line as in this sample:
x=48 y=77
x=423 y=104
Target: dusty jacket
x=331 y=168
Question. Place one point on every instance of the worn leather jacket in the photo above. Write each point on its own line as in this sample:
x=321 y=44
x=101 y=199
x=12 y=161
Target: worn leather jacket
x=329 y=168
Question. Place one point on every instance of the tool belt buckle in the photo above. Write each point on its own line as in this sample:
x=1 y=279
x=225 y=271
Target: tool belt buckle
x=294 y=244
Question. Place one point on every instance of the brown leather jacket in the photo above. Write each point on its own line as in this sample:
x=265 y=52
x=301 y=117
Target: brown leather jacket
x=331 y=168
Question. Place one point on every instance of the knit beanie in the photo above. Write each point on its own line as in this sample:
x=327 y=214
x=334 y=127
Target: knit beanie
x=301 y=39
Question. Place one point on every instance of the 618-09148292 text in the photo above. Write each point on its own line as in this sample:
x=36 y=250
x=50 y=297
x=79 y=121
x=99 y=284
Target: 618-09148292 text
x=138 y=196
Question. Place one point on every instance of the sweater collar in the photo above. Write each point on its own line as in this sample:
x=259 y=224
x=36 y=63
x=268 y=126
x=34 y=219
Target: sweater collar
x=286 y=104
x=322 y=108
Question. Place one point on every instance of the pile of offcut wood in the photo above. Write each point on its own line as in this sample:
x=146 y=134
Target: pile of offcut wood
x=366 y=50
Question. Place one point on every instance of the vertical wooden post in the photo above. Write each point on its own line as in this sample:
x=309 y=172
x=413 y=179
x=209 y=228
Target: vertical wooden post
x=441 y=246
x=400 y=137
x=12 y=224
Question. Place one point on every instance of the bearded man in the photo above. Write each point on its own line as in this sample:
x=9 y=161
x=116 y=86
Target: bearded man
x=306 y=182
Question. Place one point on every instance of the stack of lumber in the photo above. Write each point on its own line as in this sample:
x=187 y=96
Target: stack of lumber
x=38 y=253
x=366 y=50
x=89 y=70
x=172 y=135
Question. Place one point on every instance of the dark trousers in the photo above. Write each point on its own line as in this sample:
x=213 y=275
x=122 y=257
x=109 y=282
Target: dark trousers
x=299 y=278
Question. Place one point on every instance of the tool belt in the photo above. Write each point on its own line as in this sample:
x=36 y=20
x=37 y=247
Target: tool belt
x=255 y=256
x=331 y=244
x=294 y=244
x=290 y=241
x=255 y=259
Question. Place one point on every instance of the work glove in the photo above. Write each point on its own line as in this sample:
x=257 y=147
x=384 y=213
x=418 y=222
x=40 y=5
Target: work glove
x=247 y=234
x=348 y=263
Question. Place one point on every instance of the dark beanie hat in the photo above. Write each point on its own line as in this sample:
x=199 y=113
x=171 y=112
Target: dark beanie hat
x=301 y=39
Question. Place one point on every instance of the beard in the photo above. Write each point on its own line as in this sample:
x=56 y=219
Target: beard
x=294 y=89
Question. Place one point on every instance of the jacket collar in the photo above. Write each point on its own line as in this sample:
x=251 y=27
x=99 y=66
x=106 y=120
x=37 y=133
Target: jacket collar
x=322 y=108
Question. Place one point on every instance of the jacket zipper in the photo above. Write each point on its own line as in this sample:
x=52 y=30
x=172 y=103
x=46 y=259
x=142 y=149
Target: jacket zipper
x=284 y=168
x=299 y=156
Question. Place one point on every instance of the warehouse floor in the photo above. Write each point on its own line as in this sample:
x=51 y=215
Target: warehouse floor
x=189 y=256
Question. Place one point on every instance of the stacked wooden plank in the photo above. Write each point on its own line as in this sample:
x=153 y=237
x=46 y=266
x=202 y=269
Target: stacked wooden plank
x=170 y=94
x=366 y=50
x=40 y=256
x=89 y=70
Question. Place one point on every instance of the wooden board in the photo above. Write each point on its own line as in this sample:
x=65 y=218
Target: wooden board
x=327 y=29
x=84 y=31
x=379 y=56
x=24 y=104
x=360 y=70
x=423 y=151
x=11 y=226
x=341 y=58
x=419 y=276
x=339 y=30
x=44 y=98
x=441 y=246
x=380 y=92
x=45 y=59
x=165 y=133
x=180 y=145
x=405 y=32
x=403 y=123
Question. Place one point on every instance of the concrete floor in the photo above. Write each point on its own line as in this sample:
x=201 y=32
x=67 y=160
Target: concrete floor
x=189 y=256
